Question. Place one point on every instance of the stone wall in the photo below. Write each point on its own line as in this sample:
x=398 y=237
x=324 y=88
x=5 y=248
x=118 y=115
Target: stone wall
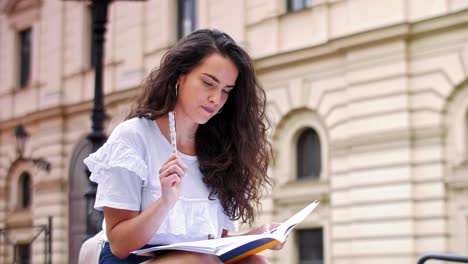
x=384 y=84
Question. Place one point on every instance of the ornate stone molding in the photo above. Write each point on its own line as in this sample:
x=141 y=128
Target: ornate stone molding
x=19 y=218
x=22 y=13
x=336 y=45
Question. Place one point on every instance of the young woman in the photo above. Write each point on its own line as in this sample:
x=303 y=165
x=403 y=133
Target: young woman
x=151 y=196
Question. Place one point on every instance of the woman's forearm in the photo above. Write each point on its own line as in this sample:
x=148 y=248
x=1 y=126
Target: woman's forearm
x=135 y=232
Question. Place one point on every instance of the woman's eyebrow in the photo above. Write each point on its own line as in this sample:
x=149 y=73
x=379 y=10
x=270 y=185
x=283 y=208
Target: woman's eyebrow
x=216 y=79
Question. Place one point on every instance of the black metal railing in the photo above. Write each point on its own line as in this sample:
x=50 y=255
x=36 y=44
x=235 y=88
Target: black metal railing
x=443 y=256
x=46 y=229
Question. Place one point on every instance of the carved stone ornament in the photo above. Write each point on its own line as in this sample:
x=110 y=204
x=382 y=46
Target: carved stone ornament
x=22 y=13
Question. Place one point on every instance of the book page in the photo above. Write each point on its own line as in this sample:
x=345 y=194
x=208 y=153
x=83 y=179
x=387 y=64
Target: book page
x=209 y=246
x=257 y=243
x=247 y=243
x=282 y=231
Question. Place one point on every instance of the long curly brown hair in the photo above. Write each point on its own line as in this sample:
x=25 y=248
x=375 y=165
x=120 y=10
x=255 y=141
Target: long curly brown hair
x=232 y=147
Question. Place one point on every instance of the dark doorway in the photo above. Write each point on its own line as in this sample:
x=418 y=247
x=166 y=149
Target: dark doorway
x=77 y=203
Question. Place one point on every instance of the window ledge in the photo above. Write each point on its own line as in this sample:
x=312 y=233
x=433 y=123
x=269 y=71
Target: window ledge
x=20 y=217
x=302 y=191
x=31 y=85
x=22 y=88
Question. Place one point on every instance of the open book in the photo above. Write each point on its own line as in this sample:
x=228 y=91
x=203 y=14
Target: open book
x=232 y=249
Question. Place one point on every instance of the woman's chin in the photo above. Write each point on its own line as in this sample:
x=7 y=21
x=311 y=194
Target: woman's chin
x=204 y=119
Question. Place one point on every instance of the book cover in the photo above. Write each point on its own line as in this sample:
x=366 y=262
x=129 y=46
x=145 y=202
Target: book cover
x=233 y=249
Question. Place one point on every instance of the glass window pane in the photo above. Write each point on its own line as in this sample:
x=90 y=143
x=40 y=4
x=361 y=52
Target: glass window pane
x=24 y=56
x=24 y=253
x=310 y=244
x=296 y=5
x=466 y=134
x=308 y=154
x=25 y=182
x=186 y=17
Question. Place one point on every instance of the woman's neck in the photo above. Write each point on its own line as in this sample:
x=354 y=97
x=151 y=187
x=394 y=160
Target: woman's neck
x=185 y=129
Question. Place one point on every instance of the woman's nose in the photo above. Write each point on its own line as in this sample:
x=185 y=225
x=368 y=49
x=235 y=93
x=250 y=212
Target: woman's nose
x=215 y=96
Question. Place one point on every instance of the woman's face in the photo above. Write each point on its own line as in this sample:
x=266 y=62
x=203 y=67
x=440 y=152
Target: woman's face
x=204 y=90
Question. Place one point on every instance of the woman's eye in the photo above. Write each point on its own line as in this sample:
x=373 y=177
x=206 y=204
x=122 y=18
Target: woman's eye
x=207 y=83
x=227 y=91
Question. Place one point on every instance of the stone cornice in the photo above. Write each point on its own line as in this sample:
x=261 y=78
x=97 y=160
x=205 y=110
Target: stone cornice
x=22 y=13
x=12 y=6
x=67 y=110
x=340 y=44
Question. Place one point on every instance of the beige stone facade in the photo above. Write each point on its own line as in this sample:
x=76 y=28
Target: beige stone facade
x=383 y=83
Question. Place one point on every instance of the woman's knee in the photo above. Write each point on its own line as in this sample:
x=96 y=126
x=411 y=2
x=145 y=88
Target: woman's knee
x=254 y=259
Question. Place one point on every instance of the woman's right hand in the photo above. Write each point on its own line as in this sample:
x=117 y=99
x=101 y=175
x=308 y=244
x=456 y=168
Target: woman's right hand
x=171 y=174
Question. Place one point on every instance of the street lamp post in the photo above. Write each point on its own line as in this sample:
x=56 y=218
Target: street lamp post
x=97 y=137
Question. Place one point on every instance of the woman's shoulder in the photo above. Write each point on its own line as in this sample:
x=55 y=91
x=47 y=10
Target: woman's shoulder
x=133 y=125
x=134 y=129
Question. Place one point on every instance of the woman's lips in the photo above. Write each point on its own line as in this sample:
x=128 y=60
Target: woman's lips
x=209 y=110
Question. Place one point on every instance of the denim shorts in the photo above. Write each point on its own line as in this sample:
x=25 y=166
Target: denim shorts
x=106 y=256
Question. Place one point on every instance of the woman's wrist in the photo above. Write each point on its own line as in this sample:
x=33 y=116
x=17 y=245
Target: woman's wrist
x=164 y=205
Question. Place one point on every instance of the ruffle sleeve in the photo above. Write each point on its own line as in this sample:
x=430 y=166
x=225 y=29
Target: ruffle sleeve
x=116 y=154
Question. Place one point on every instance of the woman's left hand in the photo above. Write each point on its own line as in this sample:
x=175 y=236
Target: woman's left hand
x=265 y=228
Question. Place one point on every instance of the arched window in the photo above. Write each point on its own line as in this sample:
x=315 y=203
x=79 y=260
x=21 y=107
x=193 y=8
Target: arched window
x=77 y=210
x=466 y=134
x=24 y=194
x=24 y=61
x=309 y=161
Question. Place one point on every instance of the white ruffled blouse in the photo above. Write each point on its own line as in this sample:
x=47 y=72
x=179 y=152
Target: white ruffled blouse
x=126 y=169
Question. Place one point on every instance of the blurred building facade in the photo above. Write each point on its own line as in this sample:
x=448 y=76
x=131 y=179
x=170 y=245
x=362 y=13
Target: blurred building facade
x=368 y=101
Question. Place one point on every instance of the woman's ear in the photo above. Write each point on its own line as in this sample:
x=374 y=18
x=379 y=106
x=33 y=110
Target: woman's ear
x=181 y=79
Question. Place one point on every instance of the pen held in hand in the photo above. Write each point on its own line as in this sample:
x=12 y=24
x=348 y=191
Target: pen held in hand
x=172 y=131
x=173 y=135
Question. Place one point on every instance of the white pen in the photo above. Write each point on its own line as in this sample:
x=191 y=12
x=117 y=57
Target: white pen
x=172 y=131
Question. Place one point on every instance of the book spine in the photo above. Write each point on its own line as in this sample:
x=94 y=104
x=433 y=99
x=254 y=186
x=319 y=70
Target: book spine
x=248 y=249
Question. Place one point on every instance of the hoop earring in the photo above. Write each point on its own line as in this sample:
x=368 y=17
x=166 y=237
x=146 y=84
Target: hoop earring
x=176 y=89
